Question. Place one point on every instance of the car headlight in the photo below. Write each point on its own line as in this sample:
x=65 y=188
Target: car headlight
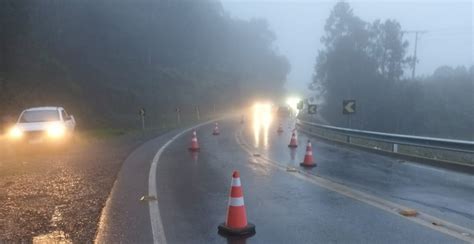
x=56 y=131
x=15 y=133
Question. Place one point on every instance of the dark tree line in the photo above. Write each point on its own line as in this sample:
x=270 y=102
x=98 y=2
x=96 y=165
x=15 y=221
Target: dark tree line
x=103 y=59
x=365 y=61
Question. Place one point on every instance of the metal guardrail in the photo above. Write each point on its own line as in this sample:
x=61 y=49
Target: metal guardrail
x=397 y=139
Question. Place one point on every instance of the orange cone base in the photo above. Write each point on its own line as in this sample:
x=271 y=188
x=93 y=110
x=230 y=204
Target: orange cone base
x=308 y=165
x=293 y=146
x=248 y=230
x=194 y=149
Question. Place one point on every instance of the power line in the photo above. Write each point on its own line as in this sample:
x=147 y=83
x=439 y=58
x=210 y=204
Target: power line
x=417 y=32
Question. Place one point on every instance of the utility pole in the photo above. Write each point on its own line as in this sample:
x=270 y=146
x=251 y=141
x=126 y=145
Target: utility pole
x=413 y=69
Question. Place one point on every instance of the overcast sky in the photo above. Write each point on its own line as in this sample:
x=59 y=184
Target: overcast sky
x=299 y=25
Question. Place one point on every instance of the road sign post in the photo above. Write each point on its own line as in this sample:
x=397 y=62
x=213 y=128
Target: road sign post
x=197 y=113
x=299 y=106
x=349 y=108
x=349 y=121
x=312 y=108
x=178 y=115
x=142 y=114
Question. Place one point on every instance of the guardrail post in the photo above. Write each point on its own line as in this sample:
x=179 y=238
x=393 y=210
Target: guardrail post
x=395 y=148
x=348 y=139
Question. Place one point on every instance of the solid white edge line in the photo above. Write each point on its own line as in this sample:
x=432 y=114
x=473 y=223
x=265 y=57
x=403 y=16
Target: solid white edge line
x=157 y=229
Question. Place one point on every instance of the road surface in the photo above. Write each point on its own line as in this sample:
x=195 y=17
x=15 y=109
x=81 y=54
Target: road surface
x=352 y=196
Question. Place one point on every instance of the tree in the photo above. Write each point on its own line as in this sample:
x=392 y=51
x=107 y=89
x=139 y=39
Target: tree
x=108 y=58
x=365 y=62
x=388 y=49
x=344 y=67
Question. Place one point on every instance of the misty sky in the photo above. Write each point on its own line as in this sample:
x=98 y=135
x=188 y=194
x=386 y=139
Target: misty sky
x=299 y=25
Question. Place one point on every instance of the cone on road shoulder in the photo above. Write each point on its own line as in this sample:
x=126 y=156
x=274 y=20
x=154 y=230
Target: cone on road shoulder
x=194 y=142
x=216 y=130
x=236 y=220
x=293 y=142
x=280 y=129
x=308 y=157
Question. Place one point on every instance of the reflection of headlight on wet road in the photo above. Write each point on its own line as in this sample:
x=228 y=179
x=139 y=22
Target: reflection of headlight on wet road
x=15 y=133
x=262 y=118
x=266 y=118
x=56 y=131
x=262 y=114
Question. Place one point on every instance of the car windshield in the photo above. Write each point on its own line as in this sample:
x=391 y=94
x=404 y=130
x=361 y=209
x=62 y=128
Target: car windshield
x=39 y=116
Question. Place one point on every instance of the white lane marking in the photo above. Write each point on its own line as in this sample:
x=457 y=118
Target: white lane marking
x=155 y=217
x=424 y=219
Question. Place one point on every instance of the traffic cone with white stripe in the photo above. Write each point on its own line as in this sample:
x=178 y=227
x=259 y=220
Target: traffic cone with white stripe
x=293 y=142
x=236 y=219
x=308 y=157
x=216 y=130
x=280 y=129
x=194 y=142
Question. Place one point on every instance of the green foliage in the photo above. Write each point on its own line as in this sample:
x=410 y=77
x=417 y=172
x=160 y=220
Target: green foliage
x=103 y=59
x=365 y=61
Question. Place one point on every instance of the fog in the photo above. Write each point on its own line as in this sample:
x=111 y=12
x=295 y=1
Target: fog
x=299 y=26
x=107 y=59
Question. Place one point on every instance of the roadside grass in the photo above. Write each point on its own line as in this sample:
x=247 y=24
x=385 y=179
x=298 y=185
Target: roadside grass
x=105 y=133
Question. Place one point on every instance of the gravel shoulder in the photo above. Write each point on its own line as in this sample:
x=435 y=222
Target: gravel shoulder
x=58 y=195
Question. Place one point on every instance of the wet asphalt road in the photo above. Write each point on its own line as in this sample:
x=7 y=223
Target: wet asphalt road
x=193 y=192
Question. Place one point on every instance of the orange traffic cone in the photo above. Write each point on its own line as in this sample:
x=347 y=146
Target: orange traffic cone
x=293 y=142
x=216 y=130
x=280 y=128
x=308 y=157
x=194 y=142
x=236 y=220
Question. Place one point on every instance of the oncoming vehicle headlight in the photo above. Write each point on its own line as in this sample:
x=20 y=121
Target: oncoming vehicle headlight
x=292 y=102
x=15 y=133
x=56 y=131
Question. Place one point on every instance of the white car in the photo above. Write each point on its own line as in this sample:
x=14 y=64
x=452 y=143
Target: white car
x=43 y=125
